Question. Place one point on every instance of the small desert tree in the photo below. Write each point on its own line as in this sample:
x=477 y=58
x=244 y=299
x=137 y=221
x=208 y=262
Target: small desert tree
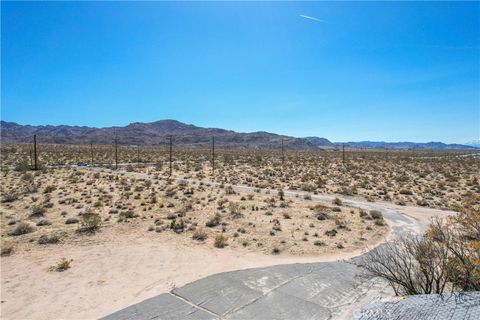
x=411 y=265
x=447 y=257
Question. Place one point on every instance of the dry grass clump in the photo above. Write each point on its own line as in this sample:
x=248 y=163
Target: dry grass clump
x=220 y=241
x=200 y=235
x=11 y=197
x=61 y=265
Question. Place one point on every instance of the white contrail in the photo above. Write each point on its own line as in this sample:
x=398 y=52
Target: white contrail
x=312 y=18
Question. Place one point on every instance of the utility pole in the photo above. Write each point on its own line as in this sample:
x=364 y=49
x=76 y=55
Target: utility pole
x=91 y=152
x=213 y=156
x=116 y=152
x=171 y=150
x=35 y=152
x=283 y=155
x=343 y=152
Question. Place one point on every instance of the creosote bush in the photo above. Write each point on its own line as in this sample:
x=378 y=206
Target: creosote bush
x=90 y=222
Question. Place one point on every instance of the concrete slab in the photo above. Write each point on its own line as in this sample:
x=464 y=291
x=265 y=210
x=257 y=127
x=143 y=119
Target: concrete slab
x=278 y=305
x=162 y=307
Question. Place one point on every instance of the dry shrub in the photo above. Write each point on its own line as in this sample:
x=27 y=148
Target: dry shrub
x=62 y=265
x=199 y=235
x=22 y=228
x=447 y=257
x=220 y=241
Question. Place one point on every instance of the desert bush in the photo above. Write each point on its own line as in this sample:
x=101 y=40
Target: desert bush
x=214 y=221
x=406 y=192
x=235 y=210
x=229 y=190
x=220 y=241
x=7 y=250
x=71 y=221
x=38 y=211
x=377 y=215
x=199 y=235
x=322 y=216
x=331 y=233
x=276 y=250
x=62 y=265
x=125 y=215
x=447 y=256
x=43 y=222
x=49 y=189
x=411 y=265
x=11 y=197
x=45 y=239
x=341 y=224
x=177 y=226
x=337 y=202
x=22 y=166
x=90 y=222
x=22 y=228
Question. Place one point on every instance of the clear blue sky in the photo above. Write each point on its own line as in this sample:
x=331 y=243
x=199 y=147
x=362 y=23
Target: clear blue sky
x=344 y=71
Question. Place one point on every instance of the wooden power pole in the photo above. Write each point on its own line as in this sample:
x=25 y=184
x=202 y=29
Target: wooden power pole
x=116 y=152
x=35 y=152
x=171 y=153
x=91 y=153
x=213 y=156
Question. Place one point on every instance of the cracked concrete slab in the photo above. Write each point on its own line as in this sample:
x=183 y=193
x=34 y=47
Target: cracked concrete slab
x=295 y=291
x=162 y=307
x=279 y=305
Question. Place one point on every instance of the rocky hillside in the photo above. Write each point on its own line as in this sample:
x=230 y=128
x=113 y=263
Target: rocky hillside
x=153 y=133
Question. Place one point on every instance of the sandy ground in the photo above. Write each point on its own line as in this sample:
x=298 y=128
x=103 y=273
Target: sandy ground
x=108 y=276
x=117 y=267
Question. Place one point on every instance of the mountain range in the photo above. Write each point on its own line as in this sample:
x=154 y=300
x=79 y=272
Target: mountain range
x=187 y=135
x=154 y=134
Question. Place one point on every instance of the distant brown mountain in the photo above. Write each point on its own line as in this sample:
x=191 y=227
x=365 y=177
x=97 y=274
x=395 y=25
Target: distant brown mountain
x=154 y=133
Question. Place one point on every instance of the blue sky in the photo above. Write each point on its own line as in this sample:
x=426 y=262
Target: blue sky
x=358 y=71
